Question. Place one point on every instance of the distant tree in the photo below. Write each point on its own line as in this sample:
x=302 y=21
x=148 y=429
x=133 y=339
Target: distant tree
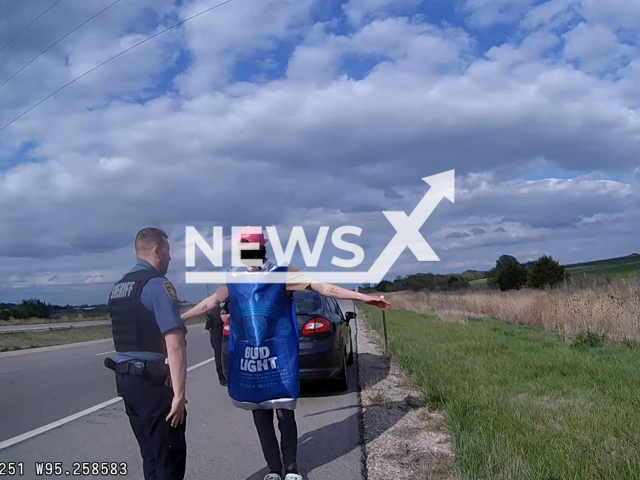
x=455 y=282
x=384 y=286
x=501 y=263
x=546 y=272
x=470 y=275
x=508 y=274
x=18 y=314
x=36 y=308
x=513 y=277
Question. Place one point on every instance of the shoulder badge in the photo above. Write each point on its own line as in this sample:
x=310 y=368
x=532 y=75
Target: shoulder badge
x=171 y=291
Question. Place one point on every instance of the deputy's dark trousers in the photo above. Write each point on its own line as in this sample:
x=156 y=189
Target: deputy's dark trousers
x=215 y=336
x=269 y=442
x=163 y=448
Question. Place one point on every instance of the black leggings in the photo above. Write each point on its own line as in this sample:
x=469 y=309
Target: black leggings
x=215 y=336
x=263 y=420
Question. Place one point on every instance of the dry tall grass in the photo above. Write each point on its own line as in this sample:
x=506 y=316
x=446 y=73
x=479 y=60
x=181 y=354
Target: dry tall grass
x=606 y=307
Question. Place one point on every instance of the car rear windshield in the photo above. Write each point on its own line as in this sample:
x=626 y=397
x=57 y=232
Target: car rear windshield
x=306 y=302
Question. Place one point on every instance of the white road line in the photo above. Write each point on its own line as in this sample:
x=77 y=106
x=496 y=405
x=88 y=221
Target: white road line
x=105 y=353
x=193 y=367
x=46 y=428
x=75 y=416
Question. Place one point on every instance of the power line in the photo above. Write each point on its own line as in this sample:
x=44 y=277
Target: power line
x=28 y=25
x=58 y=41
x=112 y=58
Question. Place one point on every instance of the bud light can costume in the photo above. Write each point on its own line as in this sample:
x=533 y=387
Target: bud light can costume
x=263 y=343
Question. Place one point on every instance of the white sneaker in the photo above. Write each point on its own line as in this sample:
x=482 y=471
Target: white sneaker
x=293 y=476
x=273 y=476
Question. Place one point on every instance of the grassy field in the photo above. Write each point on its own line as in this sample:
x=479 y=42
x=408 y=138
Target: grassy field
x=61 y=319
x=478 y=283
x=22 y=340
x=605 y=306
x=612 y=266
x=521 y=403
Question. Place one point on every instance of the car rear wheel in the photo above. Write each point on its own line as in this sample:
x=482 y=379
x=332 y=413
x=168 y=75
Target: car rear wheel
x=342 y=381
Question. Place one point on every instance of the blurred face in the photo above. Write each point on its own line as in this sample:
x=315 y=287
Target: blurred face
x=163 y=257
x=225 y=317
x=252 y=258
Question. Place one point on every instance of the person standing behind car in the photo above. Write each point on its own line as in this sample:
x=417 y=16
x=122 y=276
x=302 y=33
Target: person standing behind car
x=226 y=332
x=214 y=325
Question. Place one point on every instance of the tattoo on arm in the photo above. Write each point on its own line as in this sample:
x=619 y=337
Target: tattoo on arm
x=204 y=307
x=332 y=291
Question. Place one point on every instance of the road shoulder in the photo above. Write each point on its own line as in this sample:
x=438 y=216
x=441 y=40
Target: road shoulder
x=402 y=438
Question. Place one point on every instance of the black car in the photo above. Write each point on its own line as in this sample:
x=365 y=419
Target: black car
x=325 y=338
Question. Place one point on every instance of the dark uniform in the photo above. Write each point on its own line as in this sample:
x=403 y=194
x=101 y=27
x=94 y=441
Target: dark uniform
x=144 y=306
x=224 y=356
x=214 y=325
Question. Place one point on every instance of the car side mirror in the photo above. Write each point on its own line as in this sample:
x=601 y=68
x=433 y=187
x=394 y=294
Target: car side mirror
x=350 y=316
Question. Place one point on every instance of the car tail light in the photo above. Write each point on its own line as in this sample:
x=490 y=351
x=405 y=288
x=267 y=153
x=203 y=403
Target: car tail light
x=226 y=330
x=316 y=325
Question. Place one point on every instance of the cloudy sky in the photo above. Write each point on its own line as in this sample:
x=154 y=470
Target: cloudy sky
x=315 y=113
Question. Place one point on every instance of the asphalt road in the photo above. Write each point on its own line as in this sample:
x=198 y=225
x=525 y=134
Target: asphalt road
x=48 y=385
x=51 y=326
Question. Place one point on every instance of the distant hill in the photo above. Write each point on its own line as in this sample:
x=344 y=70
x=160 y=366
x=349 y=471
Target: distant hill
x=476 y=279
x=428 y=282
x=609 y=266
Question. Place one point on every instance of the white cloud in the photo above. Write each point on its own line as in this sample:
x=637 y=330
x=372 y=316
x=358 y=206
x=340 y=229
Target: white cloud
x=618 y=13
x=551 y=13
x=235 y=30
x=596 y=47
x=484 y=13
x=359 y=11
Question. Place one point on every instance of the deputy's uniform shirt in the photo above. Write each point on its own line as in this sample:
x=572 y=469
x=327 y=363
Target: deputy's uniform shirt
x=158 y=296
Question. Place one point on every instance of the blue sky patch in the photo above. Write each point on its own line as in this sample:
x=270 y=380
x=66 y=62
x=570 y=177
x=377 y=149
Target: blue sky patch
x=22 y=155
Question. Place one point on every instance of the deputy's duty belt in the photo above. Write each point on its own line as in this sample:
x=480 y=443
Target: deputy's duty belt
x=157 y=372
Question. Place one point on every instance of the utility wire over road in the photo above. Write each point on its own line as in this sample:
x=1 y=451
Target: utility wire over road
x=58 y=41
x=113 y=58
x=28 y=25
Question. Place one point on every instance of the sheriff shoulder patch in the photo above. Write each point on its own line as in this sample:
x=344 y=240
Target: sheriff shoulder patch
x=171 y=291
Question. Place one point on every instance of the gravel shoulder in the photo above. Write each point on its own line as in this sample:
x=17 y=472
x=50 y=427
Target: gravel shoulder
x=402 y=438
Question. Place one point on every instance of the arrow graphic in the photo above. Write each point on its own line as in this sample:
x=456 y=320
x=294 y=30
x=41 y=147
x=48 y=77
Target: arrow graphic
x=408 y=227
x=407 y=235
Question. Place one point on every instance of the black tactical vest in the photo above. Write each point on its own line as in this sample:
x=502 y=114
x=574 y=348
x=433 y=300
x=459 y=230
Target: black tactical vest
x=134 y=327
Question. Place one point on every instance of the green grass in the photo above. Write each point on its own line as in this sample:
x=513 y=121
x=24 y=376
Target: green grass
x=62 y=319
x=628 y=265
x=521 y=403
x=612 y=266
x=478 y=283
x=22 y=340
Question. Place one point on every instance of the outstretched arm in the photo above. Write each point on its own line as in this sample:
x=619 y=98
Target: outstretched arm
x=298 y=281
x=208 y=304
x=329 y=290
